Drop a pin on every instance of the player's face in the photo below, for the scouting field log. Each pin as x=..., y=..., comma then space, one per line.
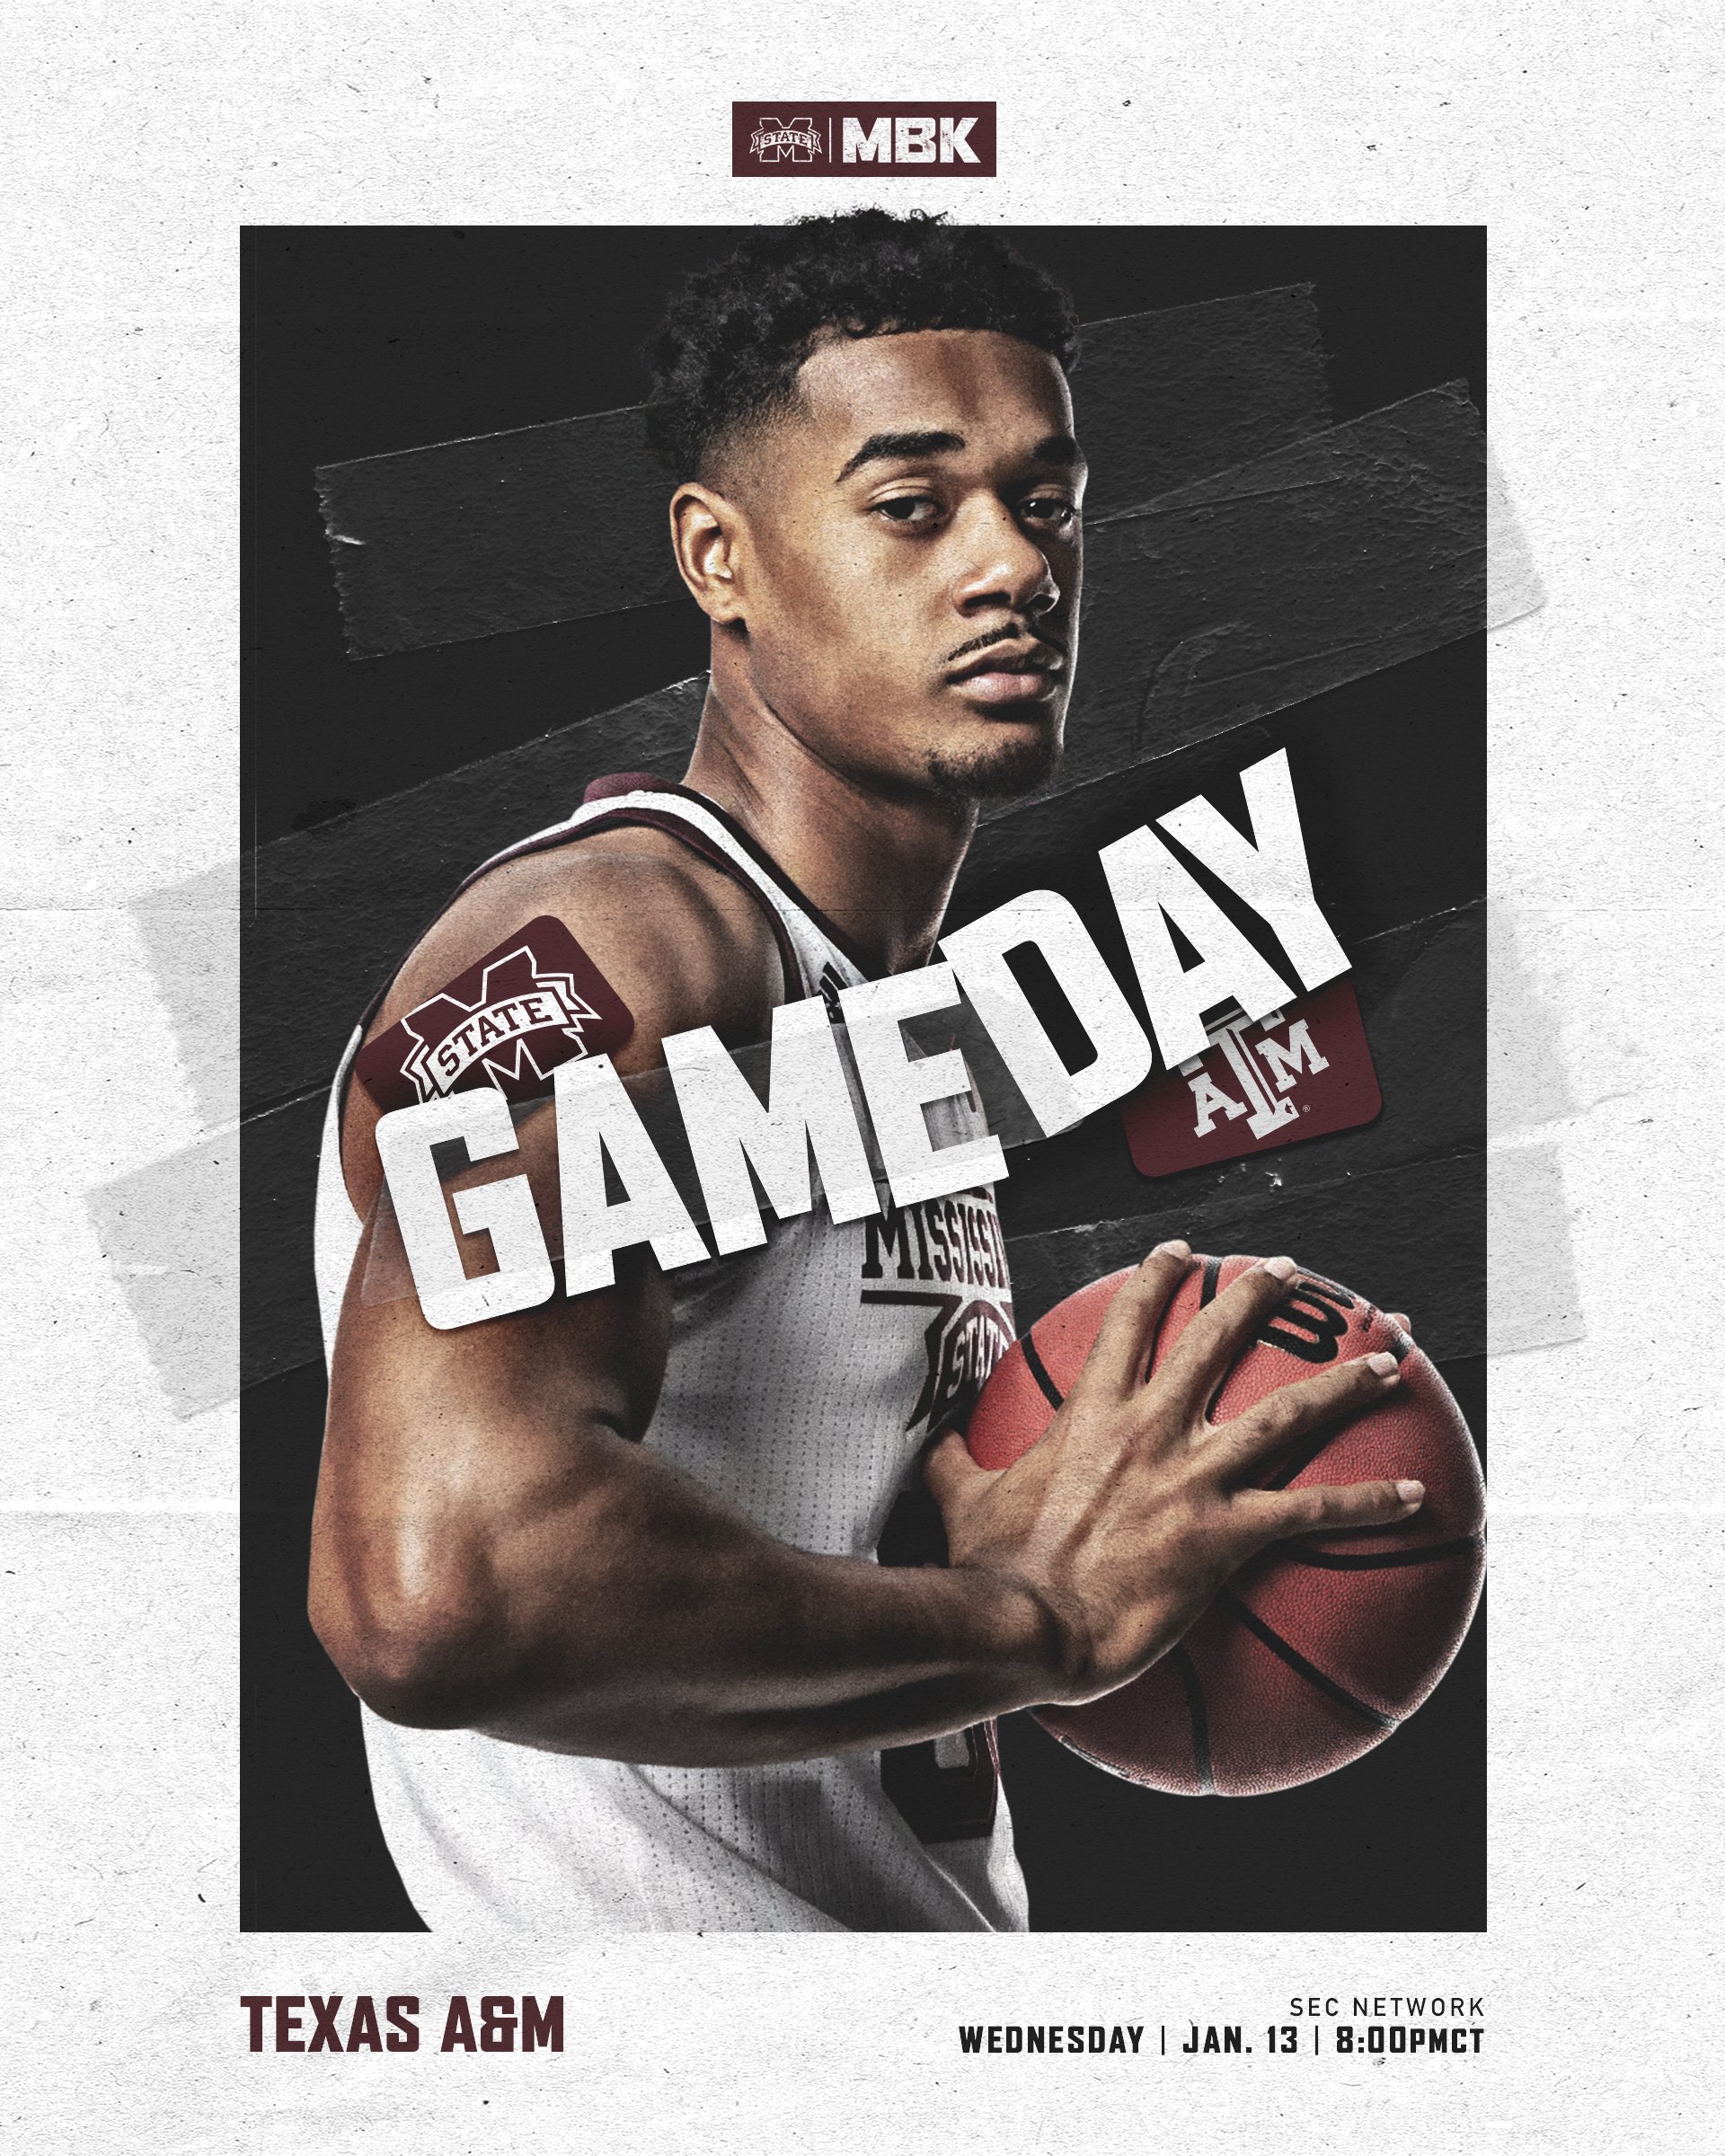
x=912, y=561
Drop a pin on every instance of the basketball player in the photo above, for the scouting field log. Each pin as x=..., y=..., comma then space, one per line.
x=604, y=1573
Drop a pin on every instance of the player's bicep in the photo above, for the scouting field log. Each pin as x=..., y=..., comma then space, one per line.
x=447, y=1452
x=552, y=959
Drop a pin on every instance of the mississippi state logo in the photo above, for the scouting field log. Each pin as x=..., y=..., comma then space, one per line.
x=1298, y=1073
x=794, y=141
x=965, y=1337
x=955, y=1244
x=508, y=1022
x=964, y=1341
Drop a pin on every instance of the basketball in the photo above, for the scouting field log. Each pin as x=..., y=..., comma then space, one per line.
x=1322, y=1646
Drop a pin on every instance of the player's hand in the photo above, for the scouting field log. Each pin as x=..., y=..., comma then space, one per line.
x=1132, y=1509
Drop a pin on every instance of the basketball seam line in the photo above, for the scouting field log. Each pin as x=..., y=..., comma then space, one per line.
x=1297, y=1461
x=1298, y=1664
x=1107, y=1765
x=1189, y=1677
x=1372, y=1561
x=1205, y=1296
x=1033, y=1362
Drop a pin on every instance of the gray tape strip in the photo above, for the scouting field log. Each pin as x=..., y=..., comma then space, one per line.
x=1528, y=1084
x=191, y=933
x=1534, y=1298
x=1412, y=1238
x=1260, y=588
x=473, y=538
x=1513, y=586
x=167, y=1232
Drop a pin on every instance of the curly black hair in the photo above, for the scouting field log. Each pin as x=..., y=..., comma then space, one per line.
x=735, y=334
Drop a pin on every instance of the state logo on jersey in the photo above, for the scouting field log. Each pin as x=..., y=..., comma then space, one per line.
x=535, y=1002
x=955, y=1244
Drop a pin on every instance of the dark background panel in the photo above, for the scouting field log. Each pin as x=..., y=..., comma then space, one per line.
x=363, y=341
x=360, y=342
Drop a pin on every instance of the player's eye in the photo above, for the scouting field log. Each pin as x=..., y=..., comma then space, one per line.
x=910, y=509
x=1051, y=510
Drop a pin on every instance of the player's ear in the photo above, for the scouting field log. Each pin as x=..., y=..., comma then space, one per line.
x=706, y=534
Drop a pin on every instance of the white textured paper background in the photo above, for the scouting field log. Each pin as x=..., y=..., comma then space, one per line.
x=1585, y=137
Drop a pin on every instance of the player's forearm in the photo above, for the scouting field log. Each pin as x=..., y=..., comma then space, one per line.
x=648, y=1621
x=789, y=1656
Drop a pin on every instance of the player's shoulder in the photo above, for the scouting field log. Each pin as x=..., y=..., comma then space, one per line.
x=679, y=941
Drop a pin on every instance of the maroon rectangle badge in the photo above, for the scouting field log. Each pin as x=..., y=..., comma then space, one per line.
x=508, y=1022
x=1298, y=1073
x=794, y=138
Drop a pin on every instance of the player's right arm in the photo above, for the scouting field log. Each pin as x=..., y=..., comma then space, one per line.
x=495, y=1548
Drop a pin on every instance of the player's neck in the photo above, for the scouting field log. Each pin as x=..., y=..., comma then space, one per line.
x=880, y=869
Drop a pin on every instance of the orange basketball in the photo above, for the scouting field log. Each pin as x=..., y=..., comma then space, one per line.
x=1321, y=1647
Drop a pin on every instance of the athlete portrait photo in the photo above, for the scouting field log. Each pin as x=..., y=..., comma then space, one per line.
x=698, y=1601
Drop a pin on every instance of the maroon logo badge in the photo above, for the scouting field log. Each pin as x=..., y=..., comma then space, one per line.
x=1300, y=1073
x=508, y=1022
x=795, y=139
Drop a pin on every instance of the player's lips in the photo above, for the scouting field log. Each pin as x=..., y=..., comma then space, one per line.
x=1023, y=672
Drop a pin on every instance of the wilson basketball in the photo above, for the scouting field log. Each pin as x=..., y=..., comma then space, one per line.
x=1321, y=1647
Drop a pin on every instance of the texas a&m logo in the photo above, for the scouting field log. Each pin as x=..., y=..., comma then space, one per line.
x=1297, y=1072
x=1264, y=1073
x=508, y=1022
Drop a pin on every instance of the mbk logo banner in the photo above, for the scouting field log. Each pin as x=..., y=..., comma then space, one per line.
x=1299, y=1073
x=792, y=138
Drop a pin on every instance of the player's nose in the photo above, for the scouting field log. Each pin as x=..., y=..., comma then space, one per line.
x=1003, y=567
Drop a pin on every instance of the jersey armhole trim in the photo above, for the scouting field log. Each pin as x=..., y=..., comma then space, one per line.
x=795, y=987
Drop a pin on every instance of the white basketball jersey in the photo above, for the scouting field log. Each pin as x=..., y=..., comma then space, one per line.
x=803, y=1380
